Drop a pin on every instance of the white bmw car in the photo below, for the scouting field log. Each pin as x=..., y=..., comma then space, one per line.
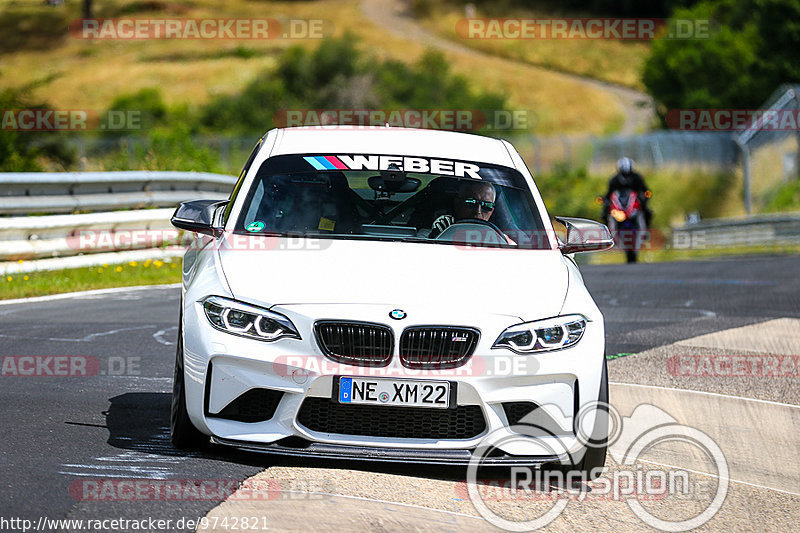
x=387, y=294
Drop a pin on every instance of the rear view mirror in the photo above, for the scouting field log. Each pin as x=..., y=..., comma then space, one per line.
x=199, y=216
x=585, y=236
x=381, y=184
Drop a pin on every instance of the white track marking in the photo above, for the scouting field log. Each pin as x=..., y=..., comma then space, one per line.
x=159, y=336
x=692, y=391
x=87, y=338
x=92, y=336
x=716, y=476
x=763, y=460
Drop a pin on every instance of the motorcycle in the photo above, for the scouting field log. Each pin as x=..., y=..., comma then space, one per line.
x=626, y=217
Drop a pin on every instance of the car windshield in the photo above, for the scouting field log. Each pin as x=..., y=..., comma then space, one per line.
x=405, y=199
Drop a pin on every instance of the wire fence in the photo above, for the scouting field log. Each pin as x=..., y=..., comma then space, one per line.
x=690, y=151
x=694, y=151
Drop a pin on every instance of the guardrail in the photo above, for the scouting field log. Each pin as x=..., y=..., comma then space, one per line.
x=55, y=241
x=754, y=230
x=66, y=192
x=64, y=235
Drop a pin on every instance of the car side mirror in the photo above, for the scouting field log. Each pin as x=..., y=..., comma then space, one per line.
x=585, y=236
x=199, y=216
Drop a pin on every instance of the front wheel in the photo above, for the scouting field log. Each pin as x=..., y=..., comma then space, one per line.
x=183, y=434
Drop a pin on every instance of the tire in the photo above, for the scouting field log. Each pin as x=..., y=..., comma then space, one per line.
x=183, y=434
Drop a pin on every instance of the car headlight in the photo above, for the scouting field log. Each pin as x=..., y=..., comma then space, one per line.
x=543, y=335
x=247, y=320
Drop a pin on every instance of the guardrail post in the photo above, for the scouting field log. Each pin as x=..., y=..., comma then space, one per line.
x=746, y=169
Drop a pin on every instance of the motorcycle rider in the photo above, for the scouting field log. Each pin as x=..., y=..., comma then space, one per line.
x=627, y=178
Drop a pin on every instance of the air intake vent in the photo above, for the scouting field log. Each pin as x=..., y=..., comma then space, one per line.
x=255, y=405
x=324, y=416
x=535, y=421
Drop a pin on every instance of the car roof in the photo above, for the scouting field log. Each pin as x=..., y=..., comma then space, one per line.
x=391, y=141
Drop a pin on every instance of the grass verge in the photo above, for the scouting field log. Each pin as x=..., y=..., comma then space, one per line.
x=87, y=278
x=83, y=74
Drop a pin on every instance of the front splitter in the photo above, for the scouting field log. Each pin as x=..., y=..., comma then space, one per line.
x=391, y=455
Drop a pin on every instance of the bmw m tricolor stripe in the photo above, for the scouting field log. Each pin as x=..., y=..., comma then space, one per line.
x=326, y=162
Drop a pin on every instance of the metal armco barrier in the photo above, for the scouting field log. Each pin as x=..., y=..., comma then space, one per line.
x=66, y=192
x=124, y=226
x=755, y=230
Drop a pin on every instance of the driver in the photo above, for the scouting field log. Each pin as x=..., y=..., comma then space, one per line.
x=475, y=200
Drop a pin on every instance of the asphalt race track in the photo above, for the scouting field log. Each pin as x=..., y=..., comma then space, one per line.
x=61, y=432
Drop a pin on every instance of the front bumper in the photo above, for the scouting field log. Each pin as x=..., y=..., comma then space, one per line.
x=557, y=382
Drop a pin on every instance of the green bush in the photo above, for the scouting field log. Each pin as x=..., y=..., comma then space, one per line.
x=337, y=75
x=148, y=101
x=32, y=28
x=163, y=149
x=16, y=147
x=785, y=197
x=572, y=192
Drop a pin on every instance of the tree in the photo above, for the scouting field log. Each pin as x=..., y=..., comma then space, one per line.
x=751, y=50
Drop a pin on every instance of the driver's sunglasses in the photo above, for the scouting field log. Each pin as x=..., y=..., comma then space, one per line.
x=474, y=202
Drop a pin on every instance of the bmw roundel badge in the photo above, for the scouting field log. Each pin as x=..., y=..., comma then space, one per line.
x=398, y=314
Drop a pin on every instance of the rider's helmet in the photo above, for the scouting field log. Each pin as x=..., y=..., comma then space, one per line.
x=625, y=165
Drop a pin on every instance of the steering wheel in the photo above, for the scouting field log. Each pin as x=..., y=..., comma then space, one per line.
x=478, y=221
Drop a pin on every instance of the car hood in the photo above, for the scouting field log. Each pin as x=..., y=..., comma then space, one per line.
x=528, y=284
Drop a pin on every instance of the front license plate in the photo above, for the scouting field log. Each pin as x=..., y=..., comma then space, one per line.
x=402, y=392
